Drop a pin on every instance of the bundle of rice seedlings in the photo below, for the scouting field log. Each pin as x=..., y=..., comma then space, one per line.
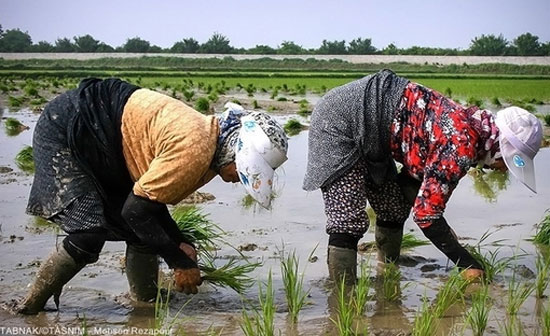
x=232, y=274
x=199, y=230
x=410, y=241
x=293, y=127
x=196, y=227
x=543, y=232
x=14, y=126
x=24, y=160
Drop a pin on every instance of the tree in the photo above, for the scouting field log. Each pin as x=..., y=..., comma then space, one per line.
x=64, y=45
x=14, y=40
x=136, y=45
x=186, y=46
x=391, y=49
x=489, y=45
x=104, y=47
x=85, y=43
x=527, y=45
x=262, y=50
x=361, y=47
x=290, y=48
x=217, y=44
x=333, y=48
x=155, y=49
x=43, y=47
x=545, y=49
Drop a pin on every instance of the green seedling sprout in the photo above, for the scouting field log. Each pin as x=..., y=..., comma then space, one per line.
x=545, y=320
x=293, y=127
x=261, y=323
x=518, y=292
x=425, y=320
x=543, y=231
x=163, y=321
x=24, y=160
x=478, y=315
x=392, y=282
x=543, y=276
x=451, y=293
x=491, y=262
x=14, y=126
x=293, y=284
x=362, y=288
x=345, y=314
x=512, y=327
x=411, y=241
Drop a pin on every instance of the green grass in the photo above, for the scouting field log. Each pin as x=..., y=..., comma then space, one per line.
x=391, y=286
x=545, y=320
x=450, y=293
x=24, y=160
x=518, y=292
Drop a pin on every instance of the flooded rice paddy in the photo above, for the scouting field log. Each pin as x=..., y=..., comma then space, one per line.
x=96, y=296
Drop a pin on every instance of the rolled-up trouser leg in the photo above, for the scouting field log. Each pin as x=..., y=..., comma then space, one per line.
x=142, y=271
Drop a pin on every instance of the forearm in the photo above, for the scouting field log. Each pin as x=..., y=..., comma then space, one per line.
x=441, y=235
x=154, y=226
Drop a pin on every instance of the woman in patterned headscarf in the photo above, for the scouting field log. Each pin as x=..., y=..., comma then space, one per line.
x=110, y=156
x=358, y=131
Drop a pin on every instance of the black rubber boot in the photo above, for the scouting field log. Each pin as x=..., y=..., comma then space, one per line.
x=388, y=242
x=142, y=271
x=342, y=261
x=53, y=274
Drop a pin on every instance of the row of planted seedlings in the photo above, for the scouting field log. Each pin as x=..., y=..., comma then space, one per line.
x=33, y=92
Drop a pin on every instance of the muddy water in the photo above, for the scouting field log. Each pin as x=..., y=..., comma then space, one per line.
x=297, y=221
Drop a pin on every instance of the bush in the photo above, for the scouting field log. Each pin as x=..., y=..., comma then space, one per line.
x=202, y=104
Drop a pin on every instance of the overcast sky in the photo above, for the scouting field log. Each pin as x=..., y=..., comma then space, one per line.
x=246, y=23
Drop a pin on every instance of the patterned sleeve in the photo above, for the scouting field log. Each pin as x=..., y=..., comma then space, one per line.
x=451, y=155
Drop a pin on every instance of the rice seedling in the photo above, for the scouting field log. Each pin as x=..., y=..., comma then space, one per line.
x=512, y=327
x=491, y=262
x=261, y=323
x=543, y=276
x=362, y=288
x=518, y=292
x=255, y=104
x=198, y=229
x=451, y=292
x=231, y=274
x=478, y=315
x=496, y=102
x=391, y=286
x=24, y=160
x=202, y=104
x=425, y=321
x=448, y=92
x=473, y=101
x=410, y=241
x=293, y=284
x=14, y=101
x=13, y=126
x=188, y=94
x=545, y=321
x=163, y=321
x=547, y=119
x=345, y=314
x=543, y=231
x=293, y=127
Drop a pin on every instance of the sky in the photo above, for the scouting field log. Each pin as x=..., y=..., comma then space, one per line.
x=247, y=23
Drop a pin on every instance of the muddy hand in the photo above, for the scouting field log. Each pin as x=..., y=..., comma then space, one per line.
x=189, y=250
x=472, y=275
x=187, y=280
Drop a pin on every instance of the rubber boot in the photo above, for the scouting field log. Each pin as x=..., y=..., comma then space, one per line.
x=342, y=261
x=54, y=273
x=142, y=271
x=388, y=243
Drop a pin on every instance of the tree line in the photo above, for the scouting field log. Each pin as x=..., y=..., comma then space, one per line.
x=527, y=44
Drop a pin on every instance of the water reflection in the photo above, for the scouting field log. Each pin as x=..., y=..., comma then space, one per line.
x=488, y=184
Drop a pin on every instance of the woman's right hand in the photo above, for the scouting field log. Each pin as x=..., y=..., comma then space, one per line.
x=187, y=280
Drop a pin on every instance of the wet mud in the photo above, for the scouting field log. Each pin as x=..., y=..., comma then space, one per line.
x=97, y=295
